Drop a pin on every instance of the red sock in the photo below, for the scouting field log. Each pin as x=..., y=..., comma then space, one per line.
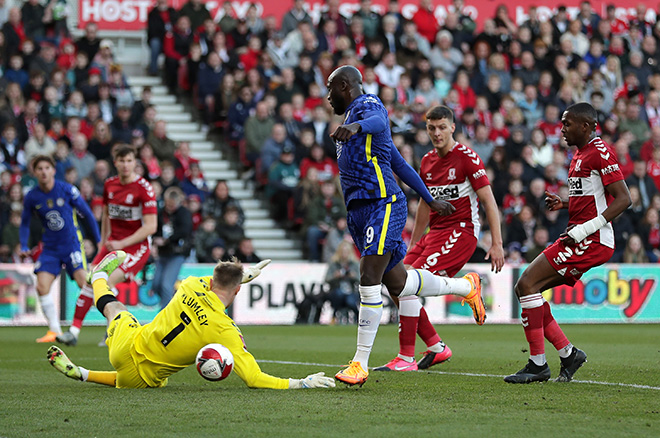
x=426, y=330
x=551, y=329
x=407, y=335
x=532, y=320
x=83, y=305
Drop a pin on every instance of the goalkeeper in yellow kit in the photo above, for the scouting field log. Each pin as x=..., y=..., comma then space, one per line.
x=144, y=356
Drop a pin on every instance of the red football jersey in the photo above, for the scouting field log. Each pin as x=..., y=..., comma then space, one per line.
x=455, y=178
x=592, y=168
x=127, y=203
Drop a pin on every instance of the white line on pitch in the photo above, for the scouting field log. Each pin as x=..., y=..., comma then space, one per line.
x=453, y=373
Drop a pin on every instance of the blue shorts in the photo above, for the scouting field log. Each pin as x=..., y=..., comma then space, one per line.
x=376, y=226
x=71, y=256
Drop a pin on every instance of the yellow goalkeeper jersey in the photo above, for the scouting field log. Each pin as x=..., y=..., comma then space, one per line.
x=194, y=318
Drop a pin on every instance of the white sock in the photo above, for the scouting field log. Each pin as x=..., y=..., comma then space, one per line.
x=406, y=358
x=98, y=276
x=75, y=331
x=438, y=347
x=84, y=372
x=410, y=306
x=424, y=284
x=538, y=359
x=371, y=310
x=566, y=351
x=87, y=290
x=50, y=311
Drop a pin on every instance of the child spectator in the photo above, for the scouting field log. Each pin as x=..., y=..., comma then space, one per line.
x=150, y=161
x=514, y=201
x=245, y=252
x=229, y=230
x=204, y=240
x=195, y=208
x=15, y=72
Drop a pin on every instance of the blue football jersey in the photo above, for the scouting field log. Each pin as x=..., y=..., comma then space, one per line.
x=56, y=210
x=364, y=160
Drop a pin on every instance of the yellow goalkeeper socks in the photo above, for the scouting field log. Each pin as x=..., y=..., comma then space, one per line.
x=101, y=377
x=100, y=287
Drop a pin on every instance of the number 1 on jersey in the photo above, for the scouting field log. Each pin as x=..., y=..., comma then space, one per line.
x=176, y=330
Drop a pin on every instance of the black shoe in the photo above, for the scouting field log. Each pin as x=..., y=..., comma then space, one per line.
x=531, y=373
x=571, y=364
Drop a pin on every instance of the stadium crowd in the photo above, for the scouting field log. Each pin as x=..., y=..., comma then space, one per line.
x=263, y=86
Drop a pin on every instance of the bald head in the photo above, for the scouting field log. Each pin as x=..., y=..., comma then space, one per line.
x=347, y=73
x=344, y=85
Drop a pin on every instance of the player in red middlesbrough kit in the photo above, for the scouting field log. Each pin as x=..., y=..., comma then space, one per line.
x=129, y=219
x=454, y=173
x=597, y=195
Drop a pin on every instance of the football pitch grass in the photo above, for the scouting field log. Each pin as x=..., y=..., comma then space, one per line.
x=616, y=394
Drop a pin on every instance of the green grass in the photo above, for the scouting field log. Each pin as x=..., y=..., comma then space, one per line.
x=38, y=401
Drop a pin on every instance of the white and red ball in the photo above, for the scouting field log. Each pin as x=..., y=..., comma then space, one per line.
x=214, y=362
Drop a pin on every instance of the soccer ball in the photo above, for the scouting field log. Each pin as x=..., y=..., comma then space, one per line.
x=214, y=362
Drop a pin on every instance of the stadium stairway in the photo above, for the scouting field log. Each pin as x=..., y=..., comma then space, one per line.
x=270, y=241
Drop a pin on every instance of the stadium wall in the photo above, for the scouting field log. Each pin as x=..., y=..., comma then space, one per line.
x=607, y=294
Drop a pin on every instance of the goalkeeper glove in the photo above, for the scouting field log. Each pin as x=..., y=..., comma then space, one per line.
x=253, y=271
x=317, y=380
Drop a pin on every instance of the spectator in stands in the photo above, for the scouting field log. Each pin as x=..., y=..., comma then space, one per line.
x=343, y=277
x=325, y=166
x=219, y=200
x=4, y=12
x=12, y=156
x=15, y=71
x=76, y=106
x=649, y=230
x=205, y=239
x=634, y=252
x=13, y=31
x=33, y=19
x=322, y=211
x=258, y=129
x=159, y=21
x=388, y=71
x=283, y=178
x=176, y=48
x=163, y=146
x=173, y=243
x=39, y=143
x=98, y=177
x=80, y=158
x=196, y=12
x=89, y=43
x=228, y=21
x=293, y=127
x=245, y=252
x=239, y=111
x=636, y=125
x=295, y=15
x=150, y=161
x=107, y=103
x=102, y=141
x=272, y=148
x=229, y=229
x=424, y=19
x=642, y=182
x=122, y=128
x=210, y=77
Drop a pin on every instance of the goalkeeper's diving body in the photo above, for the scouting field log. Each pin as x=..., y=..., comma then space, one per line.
x=144, y=356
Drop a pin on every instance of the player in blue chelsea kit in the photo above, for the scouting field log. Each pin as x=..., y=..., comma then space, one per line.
x=55, y=203
x=377, y=212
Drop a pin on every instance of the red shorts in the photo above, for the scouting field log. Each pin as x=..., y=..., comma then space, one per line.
x=571, y=261
x=136, y=258
x=443, y=252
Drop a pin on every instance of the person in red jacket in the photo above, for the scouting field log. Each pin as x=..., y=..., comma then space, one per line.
x=427, y=24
